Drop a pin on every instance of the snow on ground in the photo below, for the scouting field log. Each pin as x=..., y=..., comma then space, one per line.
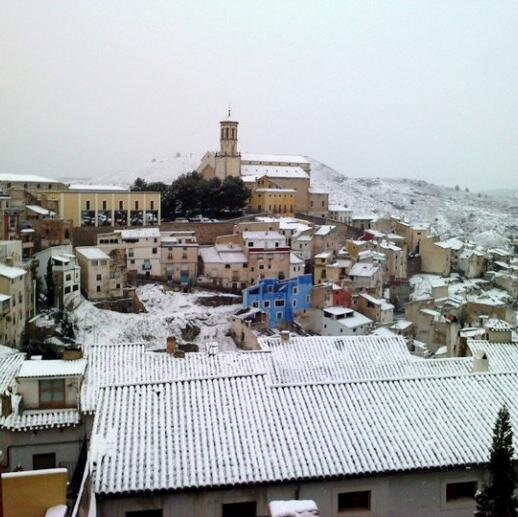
x=168, y=313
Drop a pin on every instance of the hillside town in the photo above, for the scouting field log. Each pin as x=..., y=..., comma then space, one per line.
x=147, y=366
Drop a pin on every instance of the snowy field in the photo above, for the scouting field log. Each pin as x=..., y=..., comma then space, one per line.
x=168, y=313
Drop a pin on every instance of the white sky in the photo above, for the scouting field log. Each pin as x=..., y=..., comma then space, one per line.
x=425, y=89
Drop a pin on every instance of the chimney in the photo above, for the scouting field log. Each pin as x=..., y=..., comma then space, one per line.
x=212, y=348
x=480, y=362
x=285, y=336
x=7, y=405
x=70, y=353
x=171, y=345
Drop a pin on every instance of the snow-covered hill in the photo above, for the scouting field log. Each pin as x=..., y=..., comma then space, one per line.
x=157, y=169
x=486, y=218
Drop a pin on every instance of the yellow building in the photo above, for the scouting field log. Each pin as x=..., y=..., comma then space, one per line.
x=90, y=205
x=266, y=195
x=32, y=493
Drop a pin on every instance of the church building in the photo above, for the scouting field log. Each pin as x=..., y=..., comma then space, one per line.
x=280, y=184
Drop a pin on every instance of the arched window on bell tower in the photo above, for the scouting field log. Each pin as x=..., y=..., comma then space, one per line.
x=228, y=140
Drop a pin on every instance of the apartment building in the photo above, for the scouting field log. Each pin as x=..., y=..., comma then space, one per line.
x=142, y=247
x=101, y=277
x=13, y=291
x=179, y=257
x=65, y=273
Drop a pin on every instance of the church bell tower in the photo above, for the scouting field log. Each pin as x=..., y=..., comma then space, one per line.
x=228, y=137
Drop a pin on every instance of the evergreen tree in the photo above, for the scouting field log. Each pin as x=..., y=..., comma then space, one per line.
x=49, y=279
x=496, y=499
x=139, y=185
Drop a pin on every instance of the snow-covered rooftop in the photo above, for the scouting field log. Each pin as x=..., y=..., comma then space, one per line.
x=263, y=235
x=338, y=208
x=453, y=243
x=324, y=229
x=40, y=419
x=83, y=187
x=151, y=428
x=213, y=255
x=52, y=368
x=92, y=253
x=141, y=233
x=295, y=259
x=273, y=158
x=363, y=269
x=11, y=272
x=10, y=362
x=277, y=190
x=26, y=178
x=272, y=171
x=40, y=210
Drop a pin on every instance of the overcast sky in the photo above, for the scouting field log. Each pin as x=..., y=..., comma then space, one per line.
x=425, y=89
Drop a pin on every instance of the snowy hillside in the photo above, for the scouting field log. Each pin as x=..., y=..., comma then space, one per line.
x=157, y=169
x=488, y=219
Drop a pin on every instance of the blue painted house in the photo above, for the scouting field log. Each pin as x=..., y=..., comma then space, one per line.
x=280, y=299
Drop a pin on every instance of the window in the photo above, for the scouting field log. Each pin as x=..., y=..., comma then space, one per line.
x=152, y=205
x=248, y=509
x=136, y=205
x=461, y=490
x=99, y=278
x=266, y=304
x=154, y=251
x=255, y=304
x=294, y=303
x=279, y=303
x=121, y=205
x=67, y=289
x=88, y=205
x=279, y=316
x=295, y=289
x=44, y=461
x=145, y=513
x=227, y=266
x=75, y=287
x=104, y=205
x=261, y=266
x=68, y=277
x=250, y=244
x=98, y=288
x=52, y=393
x=354, y=501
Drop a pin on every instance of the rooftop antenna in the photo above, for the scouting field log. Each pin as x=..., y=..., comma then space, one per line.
x=229, y=111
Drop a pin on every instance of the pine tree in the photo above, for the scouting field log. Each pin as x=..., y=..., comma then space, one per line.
x=49, y=279
x=496, y=499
